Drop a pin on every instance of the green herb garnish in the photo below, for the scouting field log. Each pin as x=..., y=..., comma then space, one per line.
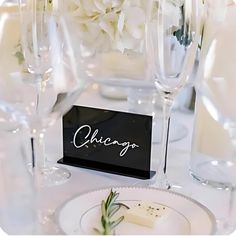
x=183, y=34
x=19, y=54
x=109, y=208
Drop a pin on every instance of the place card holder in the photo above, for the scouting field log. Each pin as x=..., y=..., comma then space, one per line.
x=109, y=141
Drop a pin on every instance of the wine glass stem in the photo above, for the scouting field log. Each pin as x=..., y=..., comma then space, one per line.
x=232, y=204
x=232, y=209
x=37, y=147
x=161, y=180
x=38, y=168
x=37, y=137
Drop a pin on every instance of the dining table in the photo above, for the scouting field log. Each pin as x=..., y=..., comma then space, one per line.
x=83, y=180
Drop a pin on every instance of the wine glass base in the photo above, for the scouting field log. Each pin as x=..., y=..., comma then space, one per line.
x=51, y=176
x=47, y=224
x=212, y=183
x=163, y=184
x=224, y=228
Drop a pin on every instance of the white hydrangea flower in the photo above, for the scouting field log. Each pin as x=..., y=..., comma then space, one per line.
x=173, y=11
x=105, y=24
x=115, y=24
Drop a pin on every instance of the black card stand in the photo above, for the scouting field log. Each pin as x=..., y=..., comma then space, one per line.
x=119, y=170
x=119, y=126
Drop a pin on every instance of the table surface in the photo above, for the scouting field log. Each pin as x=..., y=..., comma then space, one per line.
x=84, y=180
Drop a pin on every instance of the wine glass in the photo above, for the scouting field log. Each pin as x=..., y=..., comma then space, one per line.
x=39, y=76
x=215, y=88
x=172, y=38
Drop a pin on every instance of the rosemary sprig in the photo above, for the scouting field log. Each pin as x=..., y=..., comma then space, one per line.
x=109, y=208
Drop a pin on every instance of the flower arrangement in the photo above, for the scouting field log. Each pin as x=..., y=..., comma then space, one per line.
x=113, y=24
x=116, y=24
x=113, y=34
x=110, y=24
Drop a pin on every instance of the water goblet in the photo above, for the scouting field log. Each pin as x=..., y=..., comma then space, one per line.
x=215, y=88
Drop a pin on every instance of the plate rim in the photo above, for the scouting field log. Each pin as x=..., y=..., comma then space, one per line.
x=207, y=210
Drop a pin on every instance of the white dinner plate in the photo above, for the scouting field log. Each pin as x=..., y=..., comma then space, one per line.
x=185, y=216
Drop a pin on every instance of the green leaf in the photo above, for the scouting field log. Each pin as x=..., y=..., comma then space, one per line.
x=113, y=210
x=183, y=34
x=20, y=57
x=103, y=221
x=122, y=205
x=118, y=221
x=109, y=208
x=104, y=212
x=112, y=201
x=107, y=228
x=109, y=199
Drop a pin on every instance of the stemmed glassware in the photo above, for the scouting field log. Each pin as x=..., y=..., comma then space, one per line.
x=215, y=88
x=172, y=38
x=39, y=75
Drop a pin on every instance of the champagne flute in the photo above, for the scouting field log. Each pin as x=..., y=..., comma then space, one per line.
x=35, y=46
x=39, y=76
x=172, y=38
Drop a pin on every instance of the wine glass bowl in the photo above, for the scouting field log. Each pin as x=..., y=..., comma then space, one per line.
x=172, y=39
x=216, y=93
x=35, y=42
x=216, y=84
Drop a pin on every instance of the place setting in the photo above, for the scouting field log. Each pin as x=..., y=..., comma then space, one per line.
x=110, y=174
x=146, y=211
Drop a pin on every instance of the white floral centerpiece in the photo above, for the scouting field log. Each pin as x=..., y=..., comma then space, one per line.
x=114, y=30
x=111, y=24
x=116, y=24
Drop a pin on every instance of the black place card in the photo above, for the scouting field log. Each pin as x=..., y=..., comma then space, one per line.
x=106, y=140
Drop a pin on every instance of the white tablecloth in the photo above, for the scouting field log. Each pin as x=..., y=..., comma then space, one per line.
x=84, y=180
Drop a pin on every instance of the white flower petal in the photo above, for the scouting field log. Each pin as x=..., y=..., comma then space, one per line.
x=135, y=22
x=103, y=42
x=100, y=6
x=71, y=5
x=111, y=16
x=128, y=42
x=174, y=15
x=107, y=3
x=121, y=22
x=116, y=3
x=89, y=7
x=118, y=24
x=108, y=28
